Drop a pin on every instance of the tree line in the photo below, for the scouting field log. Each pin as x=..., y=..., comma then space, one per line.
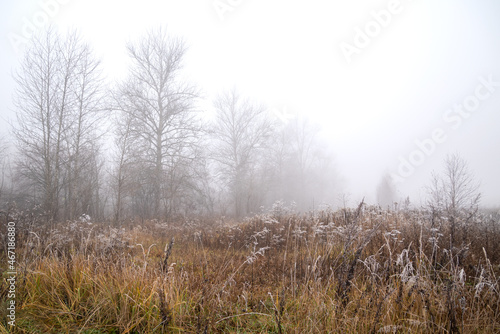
x=142, y=147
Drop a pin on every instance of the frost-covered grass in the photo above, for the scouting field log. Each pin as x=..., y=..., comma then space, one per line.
x=362, y=270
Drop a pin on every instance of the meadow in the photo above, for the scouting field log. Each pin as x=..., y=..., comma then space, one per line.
x=358, y=270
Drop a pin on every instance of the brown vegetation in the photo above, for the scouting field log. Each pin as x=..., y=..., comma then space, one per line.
x=363, y=270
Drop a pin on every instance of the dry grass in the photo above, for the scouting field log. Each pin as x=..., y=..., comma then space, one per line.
x=351, y=271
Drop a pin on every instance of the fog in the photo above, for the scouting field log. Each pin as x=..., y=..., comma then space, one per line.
x=385, y=87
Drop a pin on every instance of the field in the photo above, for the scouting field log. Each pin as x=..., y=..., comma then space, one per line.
x=360, y=270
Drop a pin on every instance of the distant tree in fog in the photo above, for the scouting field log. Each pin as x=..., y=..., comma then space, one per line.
x=241, y=133
x=386, y=193
x=5, y=172
x=302, y=165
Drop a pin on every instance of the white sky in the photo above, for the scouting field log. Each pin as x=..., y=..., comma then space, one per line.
x=287, y=54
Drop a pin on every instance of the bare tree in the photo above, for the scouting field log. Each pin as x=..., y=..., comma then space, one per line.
x=455, y=192
x=56, y=103
x=83, y=133
x=241, y=131
x=121, y=183
x=163, y=127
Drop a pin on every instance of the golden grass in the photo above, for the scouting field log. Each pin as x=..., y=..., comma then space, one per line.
x=350, y=271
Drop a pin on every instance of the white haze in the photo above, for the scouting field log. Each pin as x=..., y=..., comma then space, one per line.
x=287, y=54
